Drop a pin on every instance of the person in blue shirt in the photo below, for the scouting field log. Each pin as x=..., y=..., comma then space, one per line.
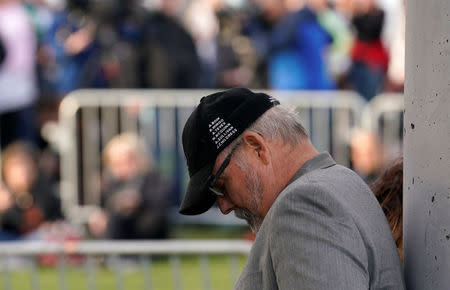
x=294, y=45
x=66, y=49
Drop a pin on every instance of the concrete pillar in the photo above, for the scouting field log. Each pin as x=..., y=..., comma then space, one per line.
x=427, y=145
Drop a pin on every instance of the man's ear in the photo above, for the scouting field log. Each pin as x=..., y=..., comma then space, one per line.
x=257, y=146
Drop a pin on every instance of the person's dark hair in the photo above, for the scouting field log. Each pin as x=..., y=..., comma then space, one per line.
x=388, y=188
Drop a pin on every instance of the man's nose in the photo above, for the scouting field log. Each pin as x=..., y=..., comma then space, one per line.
x=225, y=205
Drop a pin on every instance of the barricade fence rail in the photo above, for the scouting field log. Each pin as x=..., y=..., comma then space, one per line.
x=384, y=115
x=118, y=257
x=90, y=118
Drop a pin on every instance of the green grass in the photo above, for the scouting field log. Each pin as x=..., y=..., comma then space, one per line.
x=160, y=273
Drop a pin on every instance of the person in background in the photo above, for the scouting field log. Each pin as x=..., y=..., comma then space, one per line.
x=119, y=34
x=366, y=155
x=66, y=49
x=169, y=55
x=2, y=51
x=134, y=197
x=388, y=188
x=18, y=79
x=294, y=44
x=204, y=31
x=335, y=21
x=219, y=44
x=27, y=199
x=396, y=69
x=6, y=201
x=369, y=56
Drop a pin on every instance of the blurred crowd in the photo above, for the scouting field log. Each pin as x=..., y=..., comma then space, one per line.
x=49, y=48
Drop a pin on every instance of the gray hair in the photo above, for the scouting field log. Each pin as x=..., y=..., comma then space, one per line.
x=280, y=122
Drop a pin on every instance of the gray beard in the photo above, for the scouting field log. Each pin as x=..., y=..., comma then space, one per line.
x=254, y=187
x=252, y=220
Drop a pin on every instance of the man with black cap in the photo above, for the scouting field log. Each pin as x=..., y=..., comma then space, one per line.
x=318, y=225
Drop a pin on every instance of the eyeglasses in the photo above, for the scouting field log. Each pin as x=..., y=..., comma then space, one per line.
x=213, y=178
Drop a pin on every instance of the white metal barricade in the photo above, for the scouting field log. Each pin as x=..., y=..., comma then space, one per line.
x=90, y=118
x=92, y=255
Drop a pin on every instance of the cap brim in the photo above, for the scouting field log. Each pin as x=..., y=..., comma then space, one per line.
x=198, y=198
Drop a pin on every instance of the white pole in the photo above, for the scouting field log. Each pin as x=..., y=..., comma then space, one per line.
x=427, y=145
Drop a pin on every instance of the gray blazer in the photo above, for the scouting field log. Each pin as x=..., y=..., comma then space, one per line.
x=325, y=230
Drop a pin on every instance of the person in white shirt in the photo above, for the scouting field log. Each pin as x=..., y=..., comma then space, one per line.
x=18, y=86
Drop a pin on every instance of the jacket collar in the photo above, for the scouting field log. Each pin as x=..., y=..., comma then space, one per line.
x=320, y=161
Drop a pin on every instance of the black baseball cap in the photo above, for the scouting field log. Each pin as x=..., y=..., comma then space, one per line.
x=218, y=120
